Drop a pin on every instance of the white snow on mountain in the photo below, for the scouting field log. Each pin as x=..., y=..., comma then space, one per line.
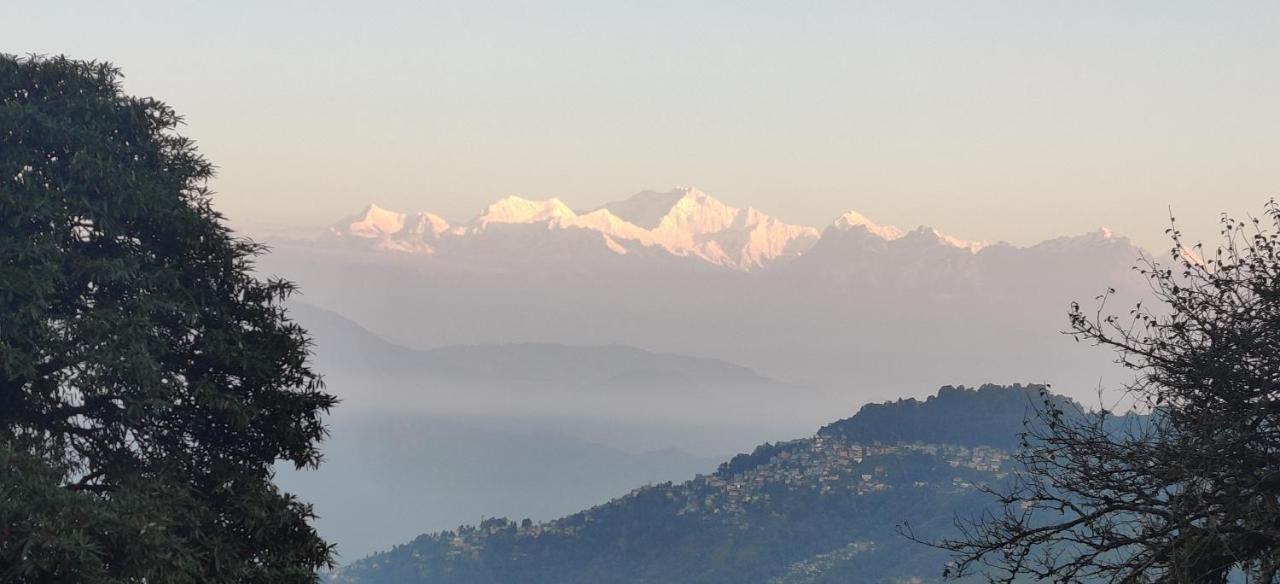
x=854, y=219
x=519, y=210
x=388, y=230
x=689, y=222
x=428, y=224
x=860, y=304
x=682, y=223
x=373, y=223
x=647, y=208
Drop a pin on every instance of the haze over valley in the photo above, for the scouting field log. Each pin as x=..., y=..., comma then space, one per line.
x=645, y=340
x=829, y=316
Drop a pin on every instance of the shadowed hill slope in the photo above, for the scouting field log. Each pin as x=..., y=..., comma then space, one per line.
x=821, y=509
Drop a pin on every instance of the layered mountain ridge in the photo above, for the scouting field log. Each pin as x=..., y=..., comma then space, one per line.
x=858, y=308
x=684, y=222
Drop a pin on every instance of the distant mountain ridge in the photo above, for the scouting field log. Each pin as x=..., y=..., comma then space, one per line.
x=821, y=509
x=684, y=222
x=549, y=384
x=601, y=366
x=856, y=307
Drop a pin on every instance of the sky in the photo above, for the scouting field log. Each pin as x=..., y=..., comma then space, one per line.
x=1014, y=121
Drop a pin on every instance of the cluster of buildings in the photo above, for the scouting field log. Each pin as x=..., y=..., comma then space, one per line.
x=825, y=464
x=828, y=465
x=810, y=569
x=983, y=458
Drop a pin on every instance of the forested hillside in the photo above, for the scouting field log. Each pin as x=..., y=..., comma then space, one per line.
x=991, y=415
x=820, y=509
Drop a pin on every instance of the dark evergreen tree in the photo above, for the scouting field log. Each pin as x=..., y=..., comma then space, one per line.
x=148, y=380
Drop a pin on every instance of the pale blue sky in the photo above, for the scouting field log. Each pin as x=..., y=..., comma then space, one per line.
x=1011, y=120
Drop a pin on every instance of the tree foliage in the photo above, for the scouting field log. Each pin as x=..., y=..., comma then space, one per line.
x=1192, y=494
x=148, y=380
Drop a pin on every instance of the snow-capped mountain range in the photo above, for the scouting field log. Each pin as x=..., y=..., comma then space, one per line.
x=859, y=309
x=683, y=222
x=534, y=315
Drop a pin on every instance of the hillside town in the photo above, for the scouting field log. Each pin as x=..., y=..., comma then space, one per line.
x=830, y=464
x=823, y=464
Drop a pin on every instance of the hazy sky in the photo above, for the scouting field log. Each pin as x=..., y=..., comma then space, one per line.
x=1011, y=120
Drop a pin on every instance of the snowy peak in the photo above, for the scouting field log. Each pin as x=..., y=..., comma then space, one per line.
x=610, y=225
x=697, y=213
x=428, y=224
x=391, y=231
x=645, y=209
x=920, y=236
x=928, y=237
x=372, y=223
x=854, y=219
x=686, y=211
x=744, y=239
x=683, y=222
x=688, y=222
x=1099, y=237
x=769, y=238
x=520, y=210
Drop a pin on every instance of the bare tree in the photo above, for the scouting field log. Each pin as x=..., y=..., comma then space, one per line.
x=1189, y=492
